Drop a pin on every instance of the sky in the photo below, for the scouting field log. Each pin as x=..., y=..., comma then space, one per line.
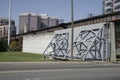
x=58, y=8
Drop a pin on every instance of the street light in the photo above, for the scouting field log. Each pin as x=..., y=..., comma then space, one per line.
x=72, y=30
x=10, y=1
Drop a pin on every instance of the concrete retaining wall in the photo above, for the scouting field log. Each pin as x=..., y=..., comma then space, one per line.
x=37, y=43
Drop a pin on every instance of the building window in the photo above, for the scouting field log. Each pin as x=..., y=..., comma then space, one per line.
x=117, y=7
x=108, y=10
x=109, y=4
x=117, y=1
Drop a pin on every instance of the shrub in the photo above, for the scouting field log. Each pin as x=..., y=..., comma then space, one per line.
x=15, y=46
x=118, y=56
x=3, y=45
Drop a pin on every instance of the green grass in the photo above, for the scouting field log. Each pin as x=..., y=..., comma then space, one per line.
x=26, y=57
x=20, y=57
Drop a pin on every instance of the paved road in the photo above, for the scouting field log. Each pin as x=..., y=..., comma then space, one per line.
x=59, y=71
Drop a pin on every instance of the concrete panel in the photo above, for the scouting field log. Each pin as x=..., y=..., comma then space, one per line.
x=91, y=42
x=60, y=44
x=37, y=43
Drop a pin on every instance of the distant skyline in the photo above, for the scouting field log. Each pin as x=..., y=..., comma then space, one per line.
x=58, y=8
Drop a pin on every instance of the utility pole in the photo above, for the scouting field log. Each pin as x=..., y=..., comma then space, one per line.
x=72, y=29
x=10, y=1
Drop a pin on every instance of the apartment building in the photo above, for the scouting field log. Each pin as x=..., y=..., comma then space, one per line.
x=4, y=27
x=33, y=21
x=110, y=6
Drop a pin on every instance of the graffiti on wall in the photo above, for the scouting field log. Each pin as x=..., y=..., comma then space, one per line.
x=90, y=43
x=58, y=47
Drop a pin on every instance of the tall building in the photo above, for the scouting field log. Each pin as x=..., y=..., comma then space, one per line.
x=4, y=27
x=32, y=21
x=110, y=6
x=44, y=21
x=53, y=21
x=5, y=21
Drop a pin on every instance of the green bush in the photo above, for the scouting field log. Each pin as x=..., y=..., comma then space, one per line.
x=118, y=56
x=15, y=46
x=3, y=45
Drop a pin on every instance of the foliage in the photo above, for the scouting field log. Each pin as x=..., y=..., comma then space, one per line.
x=3, y=45
x=118, y=56
x=15, y=46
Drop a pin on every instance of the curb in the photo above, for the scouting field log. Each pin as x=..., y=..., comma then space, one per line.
x=59, y=62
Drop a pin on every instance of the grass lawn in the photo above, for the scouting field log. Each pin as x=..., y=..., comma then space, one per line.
x=24, y=57
x=20, y=57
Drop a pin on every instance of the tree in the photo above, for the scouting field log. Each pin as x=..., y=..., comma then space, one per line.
x=15, y=46
x=3, y=45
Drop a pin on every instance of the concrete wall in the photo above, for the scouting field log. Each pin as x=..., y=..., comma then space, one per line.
x=118, y=51
x=90, y=42
x=37, y=43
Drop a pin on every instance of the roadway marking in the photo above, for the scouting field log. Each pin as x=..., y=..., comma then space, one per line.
x=28, y=71
x=34, y=79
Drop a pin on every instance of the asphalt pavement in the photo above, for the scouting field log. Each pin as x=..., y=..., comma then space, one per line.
x=59, y=71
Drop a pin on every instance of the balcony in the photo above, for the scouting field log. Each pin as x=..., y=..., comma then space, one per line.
x=116, y=1
x=108, y=7
x=116, y=4
x=108, y=1
x=117, y=8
